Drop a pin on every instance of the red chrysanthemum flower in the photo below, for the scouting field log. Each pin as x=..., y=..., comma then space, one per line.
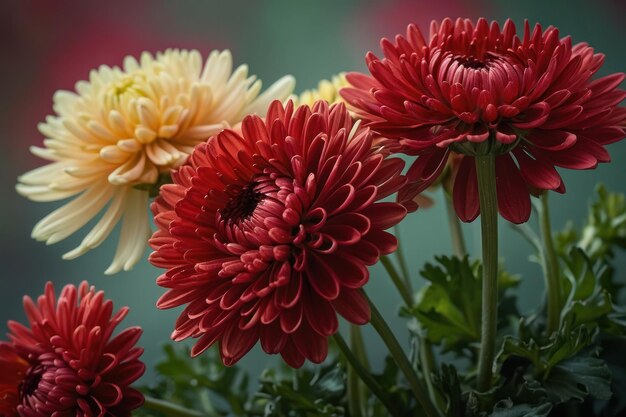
x=473, y=89
x=68, y=364
x=267, y=233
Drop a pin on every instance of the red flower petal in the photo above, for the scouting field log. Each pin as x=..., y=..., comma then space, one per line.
x=538, y=172
x=471, y=81
x=273, y=339
x=291, y=318
x=465, y=191
x=65, y=364
x=321, y=316
x=291, y=355
x=322, y=277
x=236, y=343
x=266, y=228
x=353, y=306
x=312, y=346
x=513, y=196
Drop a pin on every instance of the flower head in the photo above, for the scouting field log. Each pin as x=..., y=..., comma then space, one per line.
x=122, y=131
x=476, y=88
x=68, y=363
x=267, y=234
x=326, y=90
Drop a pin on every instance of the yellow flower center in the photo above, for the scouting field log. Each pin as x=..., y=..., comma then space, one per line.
x=127, y=87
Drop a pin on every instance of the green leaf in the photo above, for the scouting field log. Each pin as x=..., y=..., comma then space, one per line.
x=393, y=383
x=515, y=395
x=566, y=239
x=188, y=382
x=606, y=225
x=603, y=233
x=450, y=385
x=507, y=409
x=587, y=302
x=526, y=349
x=578, y=377
x=543, y=357
x=449, y=308
x=304, y=392
x=612, y=352
x=563, y=367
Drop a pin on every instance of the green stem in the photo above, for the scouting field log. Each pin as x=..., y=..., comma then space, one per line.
x=403, y=265
x=398, y=355
x=429, y=365
x=427, y=358
x=355, y=399
x=207, y=406
x=357, y=394
x=172, y=410
x=358, y=345
x=364, y=374
x=486, y=173
x=529, y=234
x=551, y=268
x=397, y=280
x=295, y=373
x=456, y=232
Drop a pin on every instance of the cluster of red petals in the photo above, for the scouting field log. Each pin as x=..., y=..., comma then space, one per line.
x=266, y=234
x=531, y=98
x=67, y=363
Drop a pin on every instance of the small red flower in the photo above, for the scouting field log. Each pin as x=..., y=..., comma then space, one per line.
x=266, y=234
x=477, y=88
x=68, y=363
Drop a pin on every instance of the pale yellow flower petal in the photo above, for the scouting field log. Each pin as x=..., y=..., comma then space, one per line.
x=125, y=127
x=326, y=90
x=280, y=90
x=134, y=233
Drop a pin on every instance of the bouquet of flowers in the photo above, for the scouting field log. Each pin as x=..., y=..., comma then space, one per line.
x=268, y=208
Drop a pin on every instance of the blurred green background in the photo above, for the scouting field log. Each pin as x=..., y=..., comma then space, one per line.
x=49, y=45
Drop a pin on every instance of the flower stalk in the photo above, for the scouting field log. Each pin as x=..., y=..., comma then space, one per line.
x=398, y=355
x=364, y=374
x=429, y=366
x=397, y=280
x=357, y=391
x=486, y=174
x=427, y=360
x=171, y=409
x=402, y=261
x=551, y=268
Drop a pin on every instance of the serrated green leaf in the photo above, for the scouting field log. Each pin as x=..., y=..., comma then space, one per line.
x=507, y=409
x=587, y=303
x=188, y=381
x=450, y=385
x=606, y=225
x=612, y=352
x=578, y=377
x=305, y=392
x=448, y=309
x=527, y=349
x=603, y=232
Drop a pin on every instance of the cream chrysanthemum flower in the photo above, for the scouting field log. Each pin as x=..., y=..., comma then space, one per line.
x=120, y=131
x=326, y=90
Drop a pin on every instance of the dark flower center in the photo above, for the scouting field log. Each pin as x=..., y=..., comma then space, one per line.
x=242, y=206
x=31, y=381
x=471, y=62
